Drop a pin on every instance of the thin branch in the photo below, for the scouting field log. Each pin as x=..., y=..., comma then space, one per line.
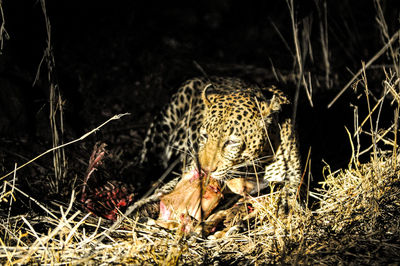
x=370, y=62
x=115, y=117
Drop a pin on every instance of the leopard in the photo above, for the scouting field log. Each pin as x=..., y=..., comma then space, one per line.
x=236, y=132
x=227, y=127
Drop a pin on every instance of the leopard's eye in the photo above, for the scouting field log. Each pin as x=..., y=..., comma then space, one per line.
x=203, y=134
x=232, y=142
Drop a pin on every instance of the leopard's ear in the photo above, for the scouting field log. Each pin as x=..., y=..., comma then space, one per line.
x=270, y=106
x=267, y=109
x=275, y=99
x=208, y=94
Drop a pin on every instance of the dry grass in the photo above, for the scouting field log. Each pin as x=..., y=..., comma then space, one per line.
x=357, y=220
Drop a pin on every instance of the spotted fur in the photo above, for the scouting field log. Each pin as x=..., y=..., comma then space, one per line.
x=232, y=130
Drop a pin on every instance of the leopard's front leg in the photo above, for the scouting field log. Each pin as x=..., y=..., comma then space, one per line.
x=286, y=166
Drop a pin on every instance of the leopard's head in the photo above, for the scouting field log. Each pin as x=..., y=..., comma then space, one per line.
x=237, y=128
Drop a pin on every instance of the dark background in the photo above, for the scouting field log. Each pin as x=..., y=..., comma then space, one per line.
x=129, y=56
